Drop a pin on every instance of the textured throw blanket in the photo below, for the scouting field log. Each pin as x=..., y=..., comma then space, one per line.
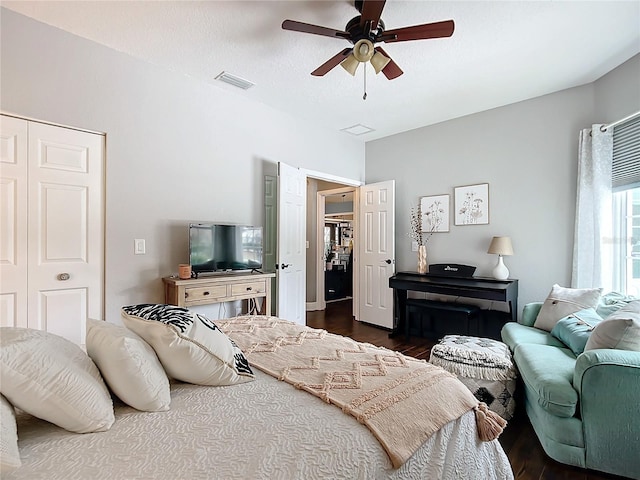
x=403, y=401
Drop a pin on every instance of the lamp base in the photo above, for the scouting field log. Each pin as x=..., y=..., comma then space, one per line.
x=500, y=272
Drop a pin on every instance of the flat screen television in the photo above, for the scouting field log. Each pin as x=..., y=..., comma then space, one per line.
x=215, y=247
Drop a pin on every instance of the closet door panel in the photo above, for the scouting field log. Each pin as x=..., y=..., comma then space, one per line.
x=13, y=222
x=66, y=229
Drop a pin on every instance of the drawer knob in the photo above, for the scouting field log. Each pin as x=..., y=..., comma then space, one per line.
x=205, y=293
x=248, y=289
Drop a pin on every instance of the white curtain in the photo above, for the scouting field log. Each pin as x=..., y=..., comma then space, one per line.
x=593, y=239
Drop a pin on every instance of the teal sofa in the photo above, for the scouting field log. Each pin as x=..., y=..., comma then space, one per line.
x=585, y=410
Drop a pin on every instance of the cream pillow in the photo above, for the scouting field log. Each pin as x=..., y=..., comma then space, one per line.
x=52, y=378
x=129, y=366
x=565, y=301
x=9, y=454
x=620, y=330
x=190, y=347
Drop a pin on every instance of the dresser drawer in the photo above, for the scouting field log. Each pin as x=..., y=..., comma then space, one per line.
x=248, y=288
x=200, y=294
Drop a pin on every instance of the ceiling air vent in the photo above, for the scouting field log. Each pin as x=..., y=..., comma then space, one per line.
x=358, y=129
x=227, y=77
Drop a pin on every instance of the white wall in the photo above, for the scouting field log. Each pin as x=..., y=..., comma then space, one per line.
x=177, y=149
x=527, y=152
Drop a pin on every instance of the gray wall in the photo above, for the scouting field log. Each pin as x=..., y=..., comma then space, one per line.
x=527, y=152
x=178, y=150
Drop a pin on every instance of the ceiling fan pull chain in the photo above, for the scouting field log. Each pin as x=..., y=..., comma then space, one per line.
x=364, y=97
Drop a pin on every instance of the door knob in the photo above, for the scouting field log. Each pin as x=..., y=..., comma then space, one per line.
x=285, y=265
x=388, y=261
x=63, y=276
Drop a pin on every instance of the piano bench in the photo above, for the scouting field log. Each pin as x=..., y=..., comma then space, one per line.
x=436, y=319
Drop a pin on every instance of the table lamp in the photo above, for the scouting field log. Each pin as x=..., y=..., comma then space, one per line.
x=500, y=246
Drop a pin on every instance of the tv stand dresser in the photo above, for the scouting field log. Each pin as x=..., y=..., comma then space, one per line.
x=218, y=288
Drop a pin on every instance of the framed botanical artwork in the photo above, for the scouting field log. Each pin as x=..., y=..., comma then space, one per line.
x=435, y=213
x=471, y=204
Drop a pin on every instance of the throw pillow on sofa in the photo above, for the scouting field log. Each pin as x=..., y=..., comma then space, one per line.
x=564, y=301
x=575, y=329
x=190, y=347
x=620, y=330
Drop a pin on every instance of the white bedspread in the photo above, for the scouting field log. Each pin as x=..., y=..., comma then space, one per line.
x=259, y=430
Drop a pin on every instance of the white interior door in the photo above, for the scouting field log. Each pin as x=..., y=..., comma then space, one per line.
x=13, y=223
x=270, y=231
x=65, y=222
x=291, y=278
x=376, y=239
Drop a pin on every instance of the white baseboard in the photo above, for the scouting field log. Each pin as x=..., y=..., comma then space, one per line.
x=313, y=306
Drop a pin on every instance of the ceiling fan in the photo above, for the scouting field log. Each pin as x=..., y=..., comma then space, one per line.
x=364, y=31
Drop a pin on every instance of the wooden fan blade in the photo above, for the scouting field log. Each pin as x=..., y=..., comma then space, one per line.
x=333, y=62
x=392, y=70
x=371, y=12
x=419, y=32
x=314, y=29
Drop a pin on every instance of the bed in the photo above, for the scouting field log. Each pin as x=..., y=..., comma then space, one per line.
x=263, y=428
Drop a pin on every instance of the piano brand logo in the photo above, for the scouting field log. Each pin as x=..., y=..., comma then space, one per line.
x=450, y=269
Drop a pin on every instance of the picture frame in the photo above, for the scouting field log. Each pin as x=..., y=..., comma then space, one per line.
x=435, y=213
x=471, y=204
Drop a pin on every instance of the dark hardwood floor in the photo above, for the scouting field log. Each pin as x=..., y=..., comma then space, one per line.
x=519, y=441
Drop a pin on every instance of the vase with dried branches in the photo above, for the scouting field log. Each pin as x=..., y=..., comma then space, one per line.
x=421, y=238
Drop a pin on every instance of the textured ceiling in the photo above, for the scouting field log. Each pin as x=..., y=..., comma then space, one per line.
x=501, y=52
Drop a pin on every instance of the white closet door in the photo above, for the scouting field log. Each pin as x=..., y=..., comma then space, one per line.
x=13, y=222
x=65, y=221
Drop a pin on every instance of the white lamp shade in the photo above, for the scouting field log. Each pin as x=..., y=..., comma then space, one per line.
x=379, y=61
x=350, y=64
x=363, y=50
x=501, y=246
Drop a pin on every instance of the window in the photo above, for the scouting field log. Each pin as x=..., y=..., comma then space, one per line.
x=626, y=222
x=626, y=206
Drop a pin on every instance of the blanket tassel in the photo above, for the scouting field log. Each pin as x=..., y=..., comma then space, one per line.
x=490, y=424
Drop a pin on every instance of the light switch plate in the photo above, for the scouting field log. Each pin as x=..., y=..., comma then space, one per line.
x=139, y=246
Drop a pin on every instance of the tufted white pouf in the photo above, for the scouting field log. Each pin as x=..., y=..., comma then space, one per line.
x=485, y=366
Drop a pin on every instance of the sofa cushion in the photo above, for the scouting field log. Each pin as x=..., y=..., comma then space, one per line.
x=564, y=301
x=548, y=371
x=574, y=330
x=620, y=330
x=514, y=334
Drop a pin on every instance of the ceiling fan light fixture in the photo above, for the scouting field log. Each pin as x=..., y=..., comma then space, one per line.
x=363, y=50
x=350, y=64
x=379, y=61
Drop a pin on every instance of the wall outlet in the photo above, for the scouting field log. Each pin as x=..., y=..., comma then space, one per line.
x=414, y=246
x=139, y=247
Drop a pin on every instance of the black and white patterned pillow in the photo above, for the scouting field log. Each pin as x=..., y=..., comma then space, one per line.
x=190, y=347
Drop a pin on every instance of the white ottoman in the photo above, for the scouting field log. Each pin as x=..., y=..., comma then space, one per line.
x=483, y=365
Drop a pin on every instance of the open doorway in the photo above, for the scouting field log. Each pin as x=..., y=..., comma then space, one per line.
x=331, y=224
x=337, y=248
x=300, y=278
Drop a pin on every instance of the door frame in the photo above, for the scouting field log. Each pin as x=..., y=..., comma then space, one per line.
x=320, y=302
x=348, y=183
